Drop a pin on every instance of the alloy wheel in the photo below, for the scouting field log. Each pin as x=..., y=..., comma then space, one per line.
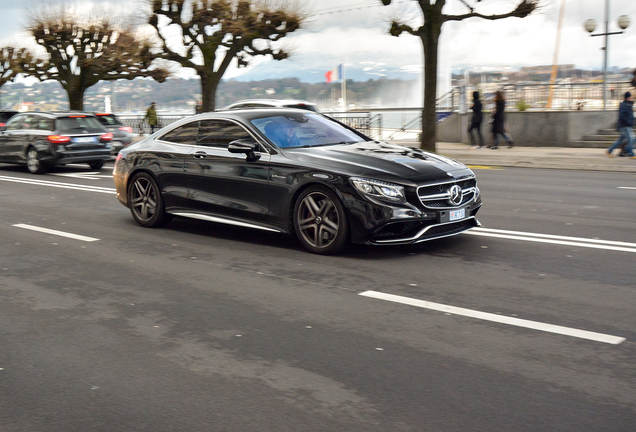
x=320, y=222
x=33, y=162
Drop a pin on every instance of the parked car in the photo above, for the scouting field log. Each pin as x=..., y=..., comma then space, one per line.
x=43, y=139
x=272, y=103
x=5, y=115
x=295, y=172
x=122, y=134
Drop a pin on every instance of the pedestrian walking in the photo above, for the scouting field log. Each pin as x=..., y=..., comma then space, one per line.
x=151, y=117
x=475, y=122
x=498, y=122
x=199, y=107
x=634, y=79
x=625, y=126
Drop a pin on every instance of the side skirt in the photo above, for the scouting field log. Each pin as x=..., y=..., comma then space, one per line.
x=225, y=221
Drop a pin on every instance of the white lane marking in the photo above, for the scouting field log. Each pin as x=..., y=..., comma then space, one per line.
x=57, y=233
x=85, y=176
x=59, y=185
x=555, y=239
x=535, y=325
x=627, y=187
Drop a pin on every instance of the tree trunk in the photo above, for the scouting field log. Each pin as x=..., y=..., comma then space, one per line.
x=430, y=42
x=209, y=84
x=75, y=98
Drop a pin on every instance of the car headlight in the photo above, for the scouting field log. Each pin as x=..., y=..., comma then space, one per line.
x=379, y=190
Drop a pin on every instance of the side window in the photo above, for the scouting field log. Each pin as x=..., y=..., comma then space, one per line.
x=220, y=133
x=40, y=123
x=15, y=122
x=185, y=134
x=28, y=122
x=44, y=124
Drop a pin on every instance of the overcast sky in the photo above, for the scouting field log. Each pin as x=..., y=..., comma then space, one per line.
x=359, y=38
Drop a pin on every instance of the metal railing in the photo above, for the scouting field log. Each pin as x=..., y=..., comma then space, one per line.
x=568, y=96
x=365, y=122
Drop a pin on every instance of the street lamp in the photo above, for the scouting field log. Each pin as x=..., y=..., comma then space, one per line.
x=590, y=25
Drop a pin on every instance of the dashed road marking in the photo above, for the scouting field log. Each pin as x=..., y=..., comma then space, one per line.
x=501, y=319
x=57, y=233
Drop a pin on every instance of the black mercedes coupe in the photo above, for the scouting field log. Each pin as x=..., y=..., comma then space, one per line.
x=295, y=172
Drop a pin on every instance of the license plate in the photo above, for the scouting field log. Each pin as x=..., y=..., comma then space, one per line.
x=85, y=139
x=457, y=214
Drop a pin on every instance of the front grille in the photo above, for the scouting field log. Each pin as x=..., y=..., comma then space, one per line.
x=438, y=195
x=443, y=203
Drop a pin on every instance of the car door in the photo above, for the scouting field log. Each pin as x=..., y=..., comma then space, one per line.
x=40, y=129
x=166, y=158
x=11, y=139
x=226, y=184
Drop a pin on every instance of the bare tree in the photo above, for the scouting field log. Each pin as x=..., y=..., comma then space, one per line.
x=429, y=33
x=212, y=33
x=12, y=61
x=83, y=50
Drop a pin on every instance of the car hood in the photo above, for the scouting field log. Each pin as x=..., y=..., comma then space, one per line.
x=381, y=161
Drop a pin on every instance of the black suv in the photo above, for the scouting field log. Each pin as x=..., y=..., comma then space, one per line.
x=122, y=134
x=42, y=139
x=5, y=115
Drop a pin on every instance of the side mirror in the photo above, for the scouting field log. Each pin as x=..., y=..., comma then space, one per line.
x=247, y=146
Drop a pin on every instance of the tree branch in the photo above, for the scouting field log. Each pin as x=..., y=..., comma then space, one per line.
x=525, y=8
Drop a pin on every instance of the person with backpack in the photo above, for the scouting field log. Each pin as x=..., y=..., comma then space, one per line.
x=151, y=117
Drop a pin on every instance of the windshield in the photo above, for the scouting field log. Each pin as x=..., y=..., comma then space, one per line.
x=304, y=130
x=79, y=123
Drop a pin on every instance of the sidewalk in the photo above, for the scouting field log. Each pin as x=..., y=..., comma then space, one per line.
x=586, y=159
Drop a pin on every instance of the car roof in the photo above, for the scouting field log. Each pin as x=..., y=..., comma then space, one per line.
x=58, y=114
x=251, y=113
x=273, y=102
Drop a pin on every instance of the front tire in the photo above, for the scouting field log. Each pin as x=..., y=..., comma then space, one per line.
x=320, y=221
x=34, y=164
x=145, y=201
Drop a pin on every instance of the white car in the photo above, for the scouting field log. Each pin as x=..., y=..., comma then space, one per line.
x=272, y=103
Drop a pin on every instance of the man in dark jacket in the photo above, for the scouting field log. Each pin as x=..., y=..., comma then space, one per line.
x=625, y=126
x=475, y=121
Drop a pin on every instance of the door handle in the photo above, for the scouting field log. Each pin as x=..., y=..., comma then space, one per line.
x=200, y=155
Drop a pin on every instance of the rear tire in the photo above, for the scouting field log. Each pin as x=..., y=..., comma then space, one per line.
x=145, y=201
x=34, y=164
x=320, y=221
x=96, y=165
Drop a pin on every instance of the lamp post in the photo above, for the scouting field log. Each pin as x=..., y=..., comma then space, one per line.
x=590, y=25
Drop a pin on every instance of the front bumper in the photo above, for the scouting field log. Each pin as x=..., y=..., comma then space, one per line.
x=400, y=233
x=384, y=224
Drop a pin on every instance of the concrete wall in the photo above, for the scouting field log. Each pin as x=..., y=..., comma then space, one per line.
x=533, y=128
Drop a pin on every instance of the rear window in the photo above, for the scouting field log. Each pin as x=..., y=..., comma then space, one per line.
x=79, y=124
x=108, y=119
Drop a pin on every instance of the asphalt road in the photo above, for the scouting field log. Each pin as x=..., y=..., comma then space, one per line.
x=527, y=324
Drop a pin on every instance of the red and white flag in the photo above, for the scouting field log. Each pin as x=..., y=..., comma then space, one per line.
x=334, y=75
